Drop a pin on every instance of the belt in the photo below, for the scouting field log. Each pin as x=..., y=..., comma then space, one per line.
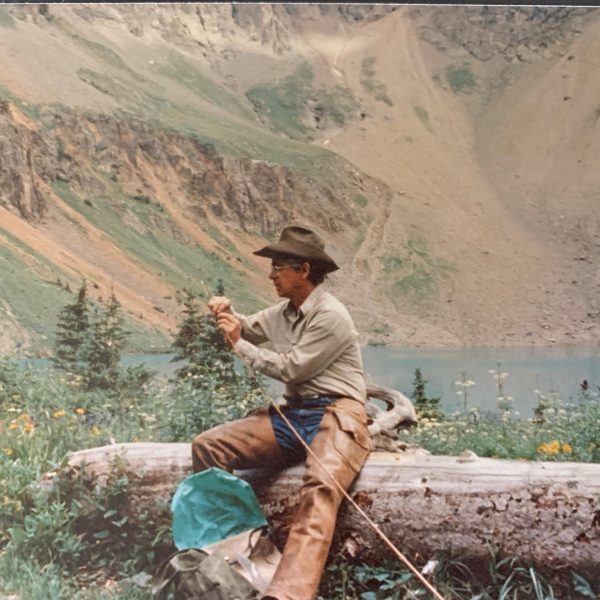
x=312, y=401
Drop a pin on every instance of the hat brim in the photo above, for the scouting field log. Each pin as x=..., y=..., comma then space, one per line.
x=309, y=253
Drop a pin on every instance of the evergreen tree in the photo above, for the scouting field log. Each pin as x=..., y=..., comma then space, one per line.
x=211, y=388
x=73, y=329
x=200, y=343
x=104, y=349
x=426, y=407
x=92, y=346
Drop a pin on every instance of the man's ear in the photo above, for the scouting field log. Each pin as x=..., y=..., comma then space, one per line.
x=305, y=269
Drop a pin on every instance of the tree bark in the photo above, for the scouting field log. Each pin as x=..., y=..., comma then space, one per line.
x=546, y=513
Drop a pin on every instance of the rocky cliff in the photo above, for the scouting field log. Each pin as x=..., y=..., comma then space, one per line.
x=447, y=154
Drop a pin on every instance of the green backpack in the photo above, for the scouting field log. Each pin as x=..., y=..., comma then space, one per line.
x=196, y=575
x=224, y=552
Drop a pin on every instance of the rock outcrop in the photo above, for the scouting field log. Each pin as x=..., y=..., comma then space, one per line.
x=517, y=33
x=81, y=149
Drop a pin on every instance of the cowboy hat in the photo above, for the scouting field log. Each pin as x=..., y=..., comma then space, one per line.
x=303, y=243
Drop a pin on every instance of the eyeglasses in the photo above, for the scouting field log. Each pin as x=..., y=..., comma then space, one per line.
x=277, y=268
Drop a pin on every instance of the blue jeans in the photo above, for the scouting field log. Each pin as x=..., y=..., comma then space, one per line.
x=305, y=418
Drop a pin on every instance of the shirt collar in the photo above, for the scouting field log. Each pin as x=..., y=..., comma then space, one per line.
x=293, y=315
x=311, y=301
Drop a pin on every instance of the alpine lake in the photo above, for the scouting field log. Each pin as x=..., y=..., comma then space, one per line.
x=555, y=372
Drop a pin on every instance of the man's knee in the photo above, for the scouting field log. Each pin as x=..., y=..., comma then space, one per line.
x=205, y=453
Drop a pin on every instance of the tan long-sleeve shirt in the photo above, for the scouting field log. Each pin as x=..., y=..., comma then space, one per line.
x=315, y=350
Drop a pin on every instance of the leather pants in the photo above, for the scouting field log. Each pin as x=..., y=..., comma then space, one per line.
x=342, y=444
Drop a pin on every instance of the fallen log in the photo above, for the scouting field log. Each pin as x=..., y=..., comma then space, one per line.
x=546, y=513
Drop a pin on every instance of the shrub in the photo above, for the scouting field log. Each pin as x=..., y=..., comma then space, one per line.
x=460, y=78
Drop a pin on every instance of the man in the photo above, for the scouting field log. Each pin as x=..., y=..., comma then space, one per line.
x=315, y=352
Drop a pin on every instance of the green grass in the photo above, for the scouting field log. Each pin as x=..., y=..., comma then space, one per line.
x=230, y=247
x=286, y=103
x=228, y=136
x=30, y=110
x=111, y=86
x=392, y=263
x=68, y=543
x=419, y=283
x=460, y=78
x=376, y=88
x=41, y=260
x=232, y=132
x=20, y=578
x=423, y=117
x=283, y=103
x=99, y=51
x=185, y=73
x=5, y=19
x=361, y=200
x=33, y=301
x=174, y=262
x=415, y=272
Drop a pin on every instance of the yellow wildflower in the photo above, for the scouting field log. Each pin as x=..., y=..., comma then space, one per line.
x=552, y=447
x=8, y=451
x=567, y=448
x=95, y=430
x=13, y=425
x=80, y=411
x=28, y=427
x=59, y=413
x=24, y=417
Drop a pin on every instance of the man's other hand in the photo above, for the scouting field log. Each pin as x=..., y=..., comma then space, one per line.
x=230, y=326
x=219, y=304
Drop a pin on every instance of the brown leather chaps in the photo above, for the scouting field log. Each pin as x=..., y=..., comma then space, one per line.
x=342, y=444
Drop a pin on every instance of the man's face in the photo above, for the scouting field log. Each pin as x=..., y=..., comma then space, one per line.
x=287, y=277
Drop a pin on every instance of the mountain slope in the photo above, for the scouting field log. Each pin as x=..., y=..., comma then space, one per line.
x=446, y=153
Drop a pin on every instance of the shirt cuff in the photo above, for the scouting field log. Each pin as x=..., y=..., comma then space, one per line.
x=244, y=349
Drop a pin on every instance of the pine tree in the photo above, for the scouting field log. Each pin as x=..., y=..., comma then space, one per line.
x=73, y=330
x=103, y=352
x=200, y=343
x=211, y=388
x=426, y=407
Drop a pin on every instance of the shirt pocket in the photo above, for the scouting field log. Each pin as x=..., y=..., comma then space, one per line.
x=351, y=439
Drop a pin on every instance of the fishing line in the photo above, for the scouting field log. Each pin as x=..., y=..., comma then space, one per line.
x=378, y=531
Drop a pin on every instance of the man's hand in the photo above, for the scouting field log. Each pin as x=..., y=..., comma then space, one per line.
x=230, y=326
x=219, y=304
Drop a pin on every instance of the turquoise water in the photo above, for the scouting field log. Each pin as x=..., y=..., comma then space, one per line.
x=558, y=370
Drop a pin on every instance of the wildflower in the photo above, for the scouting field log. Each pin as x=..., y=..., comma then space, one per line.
x=552, y=447
x=58, y=414
x=429, y=568
x=13, y=425
x=28, y=427
x=8, y=451
x=95, y=431
x=567, y=448
x=80, y=411
x=24, y=417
